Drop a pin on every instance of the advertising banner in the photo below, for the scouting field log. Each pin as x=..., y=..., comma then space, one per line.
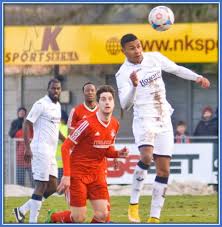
x=190, y=162
x=100, y=44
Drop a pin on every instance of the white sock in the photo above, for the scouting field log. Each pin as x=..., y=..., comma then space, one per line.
x=34, y=211
x=139, y=177
x=25, y=207
x=158, y=198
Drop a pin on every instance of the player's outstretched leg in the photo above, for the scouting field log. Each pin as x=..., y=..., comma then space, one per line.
x=139, y=176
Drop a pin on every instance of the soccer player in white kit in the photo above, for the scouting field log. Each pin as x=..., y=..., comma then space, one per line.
x=140, y=84
x=43, y=119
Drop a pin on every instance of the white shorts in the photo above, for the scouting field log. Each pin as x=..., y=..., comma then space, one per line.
x=44, y=164
x=148, y=131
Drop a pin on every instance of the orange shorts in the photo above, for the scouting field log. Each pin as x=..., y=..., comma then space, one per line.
x=85, y=187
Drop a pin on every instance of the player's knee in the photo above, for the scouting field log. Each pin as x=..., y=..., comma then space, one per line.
x=147, y=158
x=48, y=193
x=146, y=154
x=101, y=216
x=78, y=217
x=40, y=187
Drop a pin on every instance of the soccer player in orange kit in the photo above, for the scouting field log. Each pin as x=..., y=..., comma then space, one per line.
x=92, y=141
x=85, y=109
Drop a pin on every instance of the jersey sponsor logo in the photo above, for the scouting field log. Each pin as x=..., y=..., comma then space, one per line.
x=102, y=144
x=150, y=79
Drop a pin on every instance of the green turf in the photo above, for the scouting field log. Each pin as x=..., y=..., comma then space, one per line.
x=177, y=209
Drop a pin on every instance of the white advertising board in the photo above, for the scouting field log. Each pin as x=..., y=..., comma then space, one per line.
x=190, y=162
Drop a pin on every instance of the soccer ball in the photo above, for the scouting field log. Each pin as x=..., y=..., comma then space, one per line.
x=161, y=18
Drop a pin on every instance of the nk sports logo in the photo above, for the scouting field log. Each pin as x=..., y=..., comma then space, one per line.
x=41, y=45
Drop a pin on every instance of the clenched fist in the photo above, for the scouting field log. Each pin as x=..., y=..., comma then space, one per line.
x=203, y=82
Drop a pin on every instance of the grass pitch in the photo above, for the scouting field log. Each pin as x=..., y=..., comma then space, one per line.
x=177, y=209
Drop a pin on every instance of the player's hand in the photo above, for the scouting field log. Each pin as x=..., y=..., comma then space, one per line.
x=123, y=153
x=203, y=82
x=64, y=184
x=134, y=79
x=28, y=155
x=115, y=163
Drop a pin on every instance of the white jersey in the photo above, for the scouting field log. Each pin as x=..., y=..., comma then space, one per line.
x=149, y=97
x=45, y=116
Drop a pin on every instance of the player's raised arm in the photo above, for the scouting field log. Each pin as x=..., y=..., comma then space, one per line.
x=203, y=82
x=180, y=71
x=127, y=89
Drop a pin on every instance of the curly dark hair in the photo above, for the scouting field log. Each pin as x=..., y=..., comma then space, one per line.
x=104, y=88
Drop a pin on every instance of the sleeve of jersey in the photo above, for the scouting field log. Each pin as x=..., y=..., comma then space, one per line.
x=70, y=122
x=126, y=92
x=66, y=146
x=35, y=112
x=180, y=71
x=111, y=151
x=75, y=137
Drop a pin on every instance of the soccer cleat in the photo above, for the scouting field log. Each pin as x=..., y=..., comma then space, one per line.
x=153, y=220
x=19, y=216
x=133, y=213
x=49, y=214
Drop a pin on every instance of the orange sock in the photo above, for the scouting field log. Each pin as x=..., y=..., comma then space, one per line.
x=62, y=217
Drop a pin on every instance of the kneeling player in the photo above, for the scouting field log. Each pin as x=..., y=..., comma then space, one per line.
x=92, y=141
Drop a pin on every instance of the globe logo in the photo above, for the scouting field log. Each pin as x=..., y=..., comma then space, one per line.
x=113, y=46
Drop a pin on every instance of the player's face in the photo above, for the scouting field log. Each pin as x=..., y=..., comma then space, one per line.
x=89, y=93
x=106, y=103
x=133, y=51
x=54, y=91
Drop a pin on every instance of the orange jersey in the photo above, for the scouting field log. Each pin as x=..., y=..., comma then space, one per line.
x=78, y=113
x=93, y=141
